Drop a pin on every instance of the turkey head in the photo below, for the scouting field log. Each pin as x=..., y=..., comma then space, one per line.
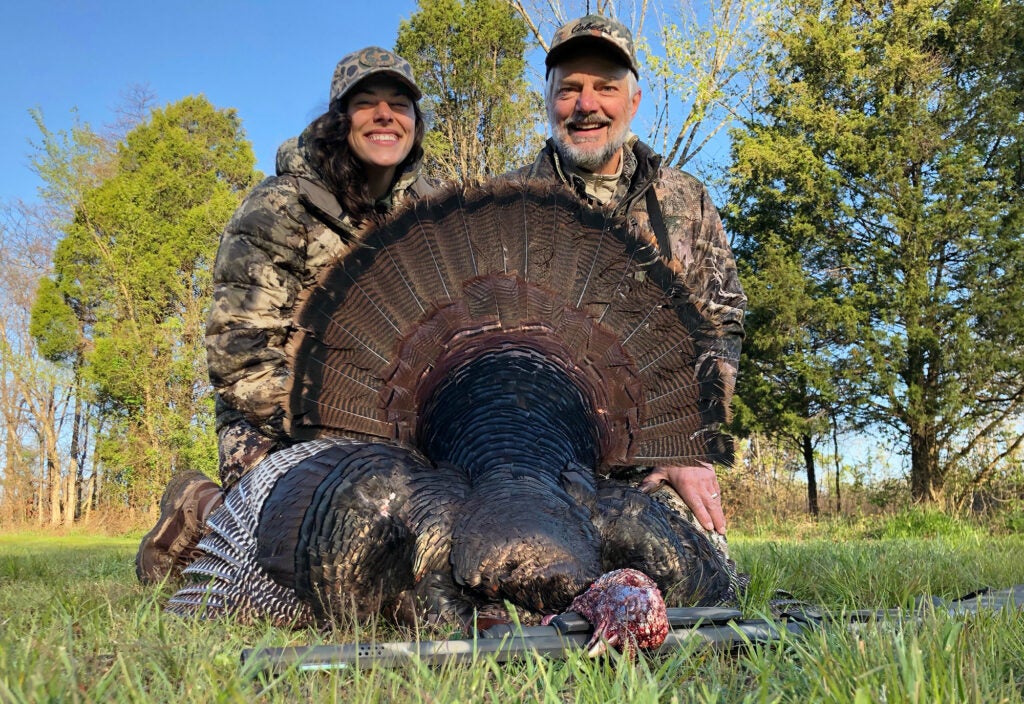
x=627, y=612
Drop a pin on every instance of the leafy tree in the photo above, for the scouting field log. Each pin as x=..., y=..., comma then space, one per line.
x=888, y=157
x=69, y=163
x=468, y=58
x=134, y=266
x=703, y=67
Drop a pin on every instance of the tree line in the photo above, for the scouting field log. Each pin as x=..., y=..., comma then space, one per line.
x=873, y=190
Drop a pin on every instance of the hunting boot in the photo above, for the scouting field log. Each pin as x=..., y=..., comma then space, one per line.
x=172, y=543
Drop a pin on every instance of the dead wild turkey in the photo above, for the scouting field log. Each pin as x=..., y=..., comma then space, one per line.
x=493, y=356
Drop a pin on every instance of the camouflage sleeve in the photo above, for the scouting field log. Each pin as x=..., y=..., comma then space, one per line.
x=256, y=277
x=699, y=243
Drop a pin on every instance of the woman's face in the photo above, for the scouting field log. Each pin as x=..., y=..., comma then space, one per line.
x=383, y=124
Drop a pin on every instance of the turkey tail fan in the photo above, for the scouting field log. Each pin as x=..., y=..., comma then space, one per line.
x=503, y=265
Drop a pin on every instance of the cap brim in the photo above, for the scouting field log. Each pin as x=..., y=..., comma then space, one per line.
x=404, y=80
x=391, y=73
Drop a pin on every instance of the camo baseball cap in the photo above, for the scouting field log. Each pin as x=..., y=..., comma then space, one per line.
x=593, y=28
x=371, y=61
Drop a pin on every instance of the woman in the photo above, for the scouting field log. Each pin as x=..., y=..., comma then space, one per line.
x=350, y=166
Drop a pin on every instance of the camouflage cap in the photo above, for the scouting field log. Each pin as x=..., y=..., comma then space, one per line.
x=594, y=28
x=371, y=61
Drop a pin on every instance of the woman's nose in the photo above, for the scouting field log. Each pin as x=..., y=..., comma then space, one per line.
x=383, y=112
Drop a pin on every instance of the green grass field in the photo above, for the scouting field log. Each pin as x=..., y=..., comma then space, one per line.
x=75, y=626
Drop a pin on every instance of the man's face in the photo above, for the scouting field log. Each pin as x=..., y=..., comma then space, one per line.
x=590, y=109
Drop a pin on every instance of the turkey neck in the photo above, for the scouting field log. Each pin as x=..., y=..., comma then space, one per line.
x=513, y=420
x=509, y=411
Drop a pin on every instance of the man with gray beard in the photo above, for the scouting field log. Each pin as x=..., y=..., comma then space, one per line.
x=591, y=96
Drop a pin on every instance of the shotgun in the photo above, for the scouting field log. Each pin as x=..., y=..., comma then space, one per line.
x=716, y=627
x=722, y=629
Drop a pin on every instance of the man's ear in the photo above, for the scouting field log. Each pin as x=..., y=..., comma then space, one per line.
x=636, y=102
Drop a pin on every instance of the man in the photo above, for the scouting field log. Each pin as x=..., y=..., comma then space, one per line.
x=592, y=95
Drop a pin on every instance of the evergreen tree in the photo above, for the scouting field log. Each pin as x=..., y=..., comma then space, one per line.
x=787, y=388
x=888, y=159
x=468, y=59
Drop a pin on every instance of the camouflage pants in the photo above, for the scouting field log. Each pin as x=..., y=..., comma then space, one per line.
x=240, y=447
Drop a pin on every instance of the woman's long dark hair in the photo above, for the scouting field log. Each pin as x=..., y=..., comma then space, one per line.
x=327, y=148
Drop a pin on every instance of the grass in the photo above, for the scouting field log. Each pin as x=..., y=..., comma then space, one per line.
x=75, y=626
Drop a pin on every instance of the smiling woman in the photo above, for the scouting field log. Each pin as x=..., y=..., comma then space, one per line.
x=382, y=129
x=349, y=167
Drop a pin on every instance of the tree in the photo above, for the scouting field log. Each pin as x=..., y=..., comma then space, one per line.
x=787, y=386
x=888, y=156
x=69, y=163
x=55, y=329
x=468, y=59
x=134, y=267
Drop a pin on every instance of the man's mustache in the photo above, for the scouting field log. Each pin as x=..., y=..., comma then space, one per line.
x=587, y=121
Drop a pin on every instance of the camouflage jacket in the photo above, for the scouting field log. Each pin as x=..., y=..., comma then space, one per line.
x=700, y=247
x=287, y=229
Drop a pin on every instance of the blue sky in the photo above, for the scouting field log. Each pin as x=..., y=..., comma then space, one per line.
x=272, y=61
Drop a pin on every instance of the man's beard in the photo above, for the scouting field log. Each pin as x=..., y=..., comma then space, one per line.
x=580, y=156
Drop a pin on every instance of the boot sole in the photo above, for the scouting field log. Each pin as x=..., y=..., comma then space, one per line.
x=170, y=511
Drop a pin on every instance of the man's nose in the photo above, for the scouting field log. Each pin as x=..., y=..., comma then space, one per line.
x=587, y=101
x=382, y=112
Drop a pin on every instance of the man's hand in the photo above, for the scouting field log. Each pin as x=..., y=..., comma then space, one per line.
x=697, y=486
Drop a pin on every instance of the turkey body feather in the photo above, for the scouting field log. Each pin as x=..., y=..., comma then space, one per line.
x=489, y=355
